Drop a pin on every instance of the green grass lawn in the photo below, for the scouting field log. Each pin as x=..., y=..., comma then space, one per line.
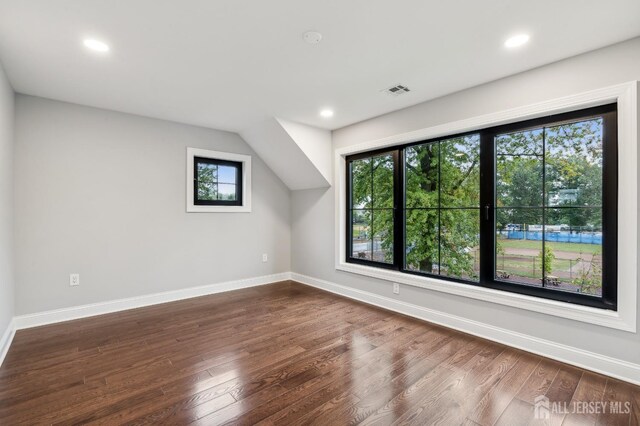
x=359, y=229
x=537, y=245
x=523, y=266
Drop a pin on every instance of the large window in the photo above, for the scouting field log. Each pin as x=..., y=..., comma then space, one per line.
x=528, y=207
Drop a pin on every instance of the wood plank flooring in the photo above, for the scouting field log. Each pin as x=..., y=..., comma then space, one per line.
x=286, y=354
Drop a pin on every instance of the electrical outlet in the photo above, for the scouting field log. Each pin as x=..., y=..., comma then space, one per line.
x=74, y=279
x=396, y=288
x=265, y=258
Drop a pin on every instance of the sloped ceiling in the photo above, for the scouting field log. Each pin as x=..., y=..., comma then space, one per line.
x=299, y=154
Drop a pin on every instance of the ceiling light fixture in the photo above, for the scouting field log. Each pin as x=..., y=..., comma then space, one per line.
x=517, y=40
x=96, y=45
x=326, y=113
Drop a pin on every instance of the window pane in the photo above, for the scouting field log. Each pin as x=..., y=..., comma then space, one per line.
x=519, y=181
x=570, y=258
x=382, y=181
x=519, y=245
x=226, y=192
x=574, y=164
x=519, y=171
x=459, y=241
x=227, y=174
x=361, y=234
x=460, y=172
x=523, y=143
x=421, y=176
x=383, y=236
x=361, y=183
x=573, y=247
x=421, y=244
x=207, y=171
x=207, y=191
x=207, y=181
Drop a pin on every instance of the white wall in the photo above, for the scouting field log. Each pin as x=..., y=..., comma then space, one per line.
x=102, y=194
x=6, y=202
x=314, y=142
x=313, y=210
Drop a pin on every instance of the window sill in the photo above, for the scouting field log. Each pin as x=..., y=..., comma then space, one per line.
x=601, y=317
x=218, y=209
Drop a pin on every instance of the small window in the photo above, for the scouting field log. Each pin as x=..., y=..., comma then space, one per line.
x=218, y=181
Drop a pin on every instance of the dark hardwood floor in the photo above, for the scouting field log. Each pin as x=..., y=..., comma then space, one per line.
x=285, y=354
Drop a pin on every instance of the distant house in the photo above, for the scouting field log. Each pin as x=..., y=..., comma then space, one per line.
x=563, y=196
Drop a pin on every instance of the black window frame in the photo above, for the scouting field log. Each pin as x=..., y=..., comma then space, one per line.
x=397, y=197
x=218, y=162
x=608, y=299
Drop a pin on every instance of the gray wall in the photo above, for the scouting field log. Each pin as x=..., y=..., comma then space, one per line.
x=102, y=194
x=6, y=202
x=313, y=211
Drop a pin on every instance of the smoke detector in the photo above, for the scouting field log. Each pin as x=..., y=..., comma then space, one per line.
x=396, y=90
x=312, y=37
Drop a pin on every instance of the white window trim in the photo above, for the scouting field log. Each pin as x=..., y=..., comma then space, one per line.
x=626, y=95
x=217, y=155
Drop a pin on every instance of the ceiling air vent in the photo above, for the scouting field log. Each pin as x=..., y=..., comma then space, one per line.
x=396, y=90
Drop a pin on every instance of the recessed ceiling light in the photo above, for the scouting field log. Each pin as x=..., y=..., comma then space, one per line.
x=517, y=40
x=96, y=45
x=312, y=37
x=326, y=113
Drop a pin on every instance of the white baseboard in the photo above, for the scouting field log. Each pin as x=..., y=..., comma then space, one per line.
x=66, y=314
x=6, y=339
x=613, y=367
